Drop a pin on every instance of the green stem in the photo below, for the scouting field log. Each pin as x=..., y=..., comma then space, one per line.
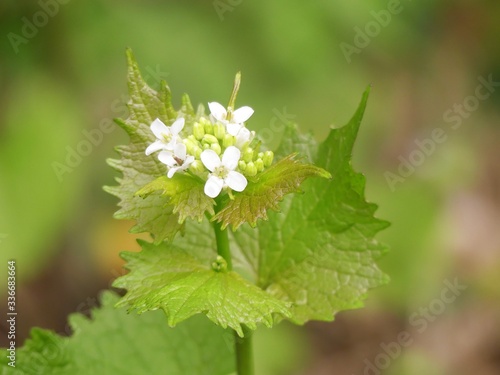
x=243, y=345
x=244, y=353
x=222, y=239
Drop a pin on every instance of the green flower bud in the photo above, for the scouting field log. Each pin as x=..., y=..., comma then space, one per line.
x=206, y=146
x=242, y=165
x=259, y=164
x=268, y=158
x=228, y=140
x=209, y=138
x=248, y=154
x=219, y=265
x=260, y=155
x=216, y=147
x=251, y=169
x=196, y=152
x=198, y=130
x=197, y=167
x=219, y=131
x=209, y=128
x=190, y=145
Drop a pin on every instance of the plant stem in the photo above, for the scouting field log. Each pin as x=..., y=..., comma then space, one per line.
x=222, y=239
x=244, y=353
x=243, y=345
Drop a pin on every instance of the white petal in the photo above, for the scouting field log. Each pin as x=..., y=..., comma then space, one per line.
x=171, y=145
x=177, y=126
x=155, y=146
x=180, y=150
x=236, y=181
x=189, y=160
x=231, y=157
x=172, y=171
x=244, y=136
x=158, y=128
x=166, y=158
x=217, y=110
x=213, y=186
x=233, y=128
x=210, y=159
x=242, y=114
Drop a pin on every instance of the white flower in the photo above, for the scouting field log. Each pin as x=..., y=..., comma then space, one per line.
x=243, y=137
x=178, y=160
x=166, y=136
x=236, y=120
x=223, y=173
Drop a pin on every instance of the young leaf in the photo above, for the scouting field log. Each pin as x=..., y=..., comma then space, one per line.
x=266, y=191
x=319, y=252
x=115, y=342
x=186, y=195
x=154, y=213
x=184, y=281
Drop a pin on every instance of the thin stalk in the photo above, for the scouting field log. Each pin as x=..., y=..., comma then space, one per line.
x=243, y=345
x=222, y=239
x=244, y=353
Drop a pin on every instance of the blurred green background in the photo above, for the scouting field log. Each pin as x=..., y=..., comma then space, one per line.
x=64, y=76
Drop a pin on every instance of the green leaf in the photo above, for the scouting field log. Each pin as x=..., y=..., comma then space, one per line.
x=154, y=213
x=319, y=252
x=186, y=195
x=184, y=281
x=266, y=191
x=115, y=342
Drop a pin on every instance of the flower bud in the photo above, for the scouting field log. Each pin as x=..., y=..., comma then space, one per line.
x=206, y=146
x=268, y=158
x=251, y=169
x=259, y=164
x=260, y=155
x=190, y=145
x=209, y=138
x=242, y=165
x=219, y=131
x=198, y=130
x=197, y=167
x=204, y=121
x=196, y=152
x=228, y=140
x=216, y=147
x=209, y=128
x=248, y=154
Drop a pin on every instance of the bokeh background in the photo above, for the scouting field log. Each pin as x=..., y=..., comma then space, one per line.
x=66, y=76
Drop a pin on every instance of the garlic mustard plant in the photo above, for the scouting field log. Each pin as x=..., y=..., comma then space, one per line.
x=307, y=258
x=252, y=251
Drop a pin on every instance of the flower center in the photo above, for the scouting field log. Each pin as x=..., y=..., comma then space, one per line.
x=166, y=137
x=220, y=172
x=178, y=160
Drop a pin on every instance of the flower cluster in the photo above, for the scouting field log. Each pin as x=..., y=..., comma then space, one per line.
x=218, y=149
